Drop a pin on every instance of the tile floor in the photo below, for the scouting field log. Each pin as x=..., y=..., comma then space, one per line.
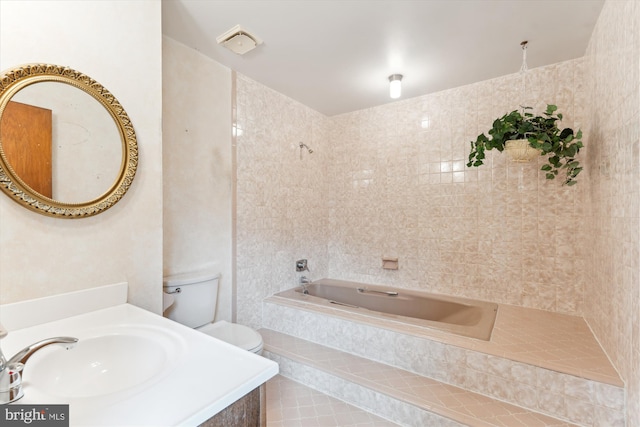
x=291, y=404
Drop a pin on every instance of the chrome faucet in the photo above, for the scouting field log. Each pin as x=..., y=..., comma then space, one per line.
x=11, y=370
x=304, y=282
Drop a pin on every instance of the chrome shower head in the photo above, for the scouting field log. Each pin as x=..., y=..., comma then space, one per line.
x=303, y=145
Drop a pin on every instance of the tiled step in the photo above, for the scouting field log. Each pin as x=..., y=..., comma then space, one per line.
x=400, y=396
x=486, y=368
x=290, y=404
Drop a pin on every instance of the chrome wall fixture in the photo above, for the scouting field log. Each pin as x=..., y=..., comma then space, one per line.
x=301, y=265
x=302, y=146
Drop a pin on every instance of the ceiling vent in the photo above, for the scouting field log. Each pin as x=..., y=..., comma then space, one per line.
x=238, y=40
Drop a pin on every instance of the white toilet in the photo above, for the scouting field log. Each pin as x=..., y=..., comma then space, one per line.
x=190, y=299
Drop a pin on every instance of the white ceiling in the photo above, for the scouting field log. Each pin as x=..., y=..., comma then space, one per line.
x=335, y=56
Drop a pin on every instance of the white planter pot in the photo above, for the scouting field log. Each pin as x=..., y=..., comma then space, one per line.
x=520, y=151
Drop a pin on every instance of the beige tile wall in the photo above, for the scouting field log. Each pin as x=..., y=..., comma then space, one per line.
x=383, y=183
x=501, y=232
x=612, y=297
x=392, y=181
x=282, y=198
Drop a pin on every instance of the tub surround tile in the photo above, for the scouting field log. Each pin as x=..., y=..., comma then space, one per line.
x=453, y=403
x=474, y=365
x=532, y=337
x=408, y=205
x=402, y=412
x=611, y=76
x=425, y=189
x=392, y=180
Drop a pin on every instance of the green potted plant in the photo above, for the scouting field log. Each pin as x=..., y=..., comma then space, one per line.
x=524, y=133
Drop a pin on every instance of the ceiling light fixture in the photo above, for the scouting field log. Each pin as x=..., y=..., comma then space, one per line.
x=395, y=85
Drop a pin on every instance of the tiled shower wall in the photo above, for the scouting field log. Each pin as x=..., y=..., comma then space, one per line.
x=282, y=199
x=400, y=187
x=612, y=296
x=392, y=181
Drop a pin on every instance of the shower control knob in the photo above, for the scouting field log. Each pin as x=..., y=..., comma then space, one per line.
x=301, y=265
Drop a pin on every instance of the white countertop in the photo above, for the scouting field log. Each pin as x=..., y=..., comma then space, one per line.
x=200, y=376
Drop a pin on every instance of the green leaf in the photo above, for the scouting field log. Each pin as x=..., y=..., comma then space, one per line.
x=571, y=151
x=560, y=146
x=566, y=133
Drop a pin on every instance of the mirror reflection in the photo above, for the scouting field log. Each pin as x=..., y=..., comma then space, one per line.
x=61, y=142
x=68, y=148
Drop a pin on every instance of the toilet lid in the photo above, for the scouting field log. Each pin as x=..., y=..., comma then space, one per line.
x=232, y=333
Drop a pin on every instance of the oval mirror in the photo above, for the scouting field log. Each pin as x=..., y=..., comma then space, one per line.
x=67, y=146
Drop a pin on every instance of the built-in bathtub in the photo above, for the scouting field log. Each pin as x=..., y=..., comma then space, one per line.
x=462, y=316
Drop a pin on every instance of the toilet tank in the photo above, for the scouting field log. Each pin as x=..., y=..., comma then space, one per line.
x=195, y=302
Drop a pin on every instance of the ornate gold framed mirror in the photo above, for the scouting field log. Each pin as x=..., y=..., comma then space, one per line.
x=67, y=146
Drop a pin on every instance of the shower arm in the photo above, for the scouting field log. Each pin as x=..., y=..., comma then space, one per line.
x=303, y=145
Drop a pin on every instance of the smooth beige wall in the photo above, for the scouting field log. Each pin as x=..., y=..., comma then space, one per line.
x=197, y=169
x=612, y=297
x=118, y=44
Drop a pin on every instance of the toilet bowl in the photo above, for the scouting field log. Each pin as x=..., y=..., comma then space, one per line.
x=190, y=299
x=232, y=333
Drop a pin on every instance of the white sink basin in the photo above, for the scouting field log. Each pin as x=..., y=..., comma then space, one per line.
x=114, y=360
x=129, y=367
